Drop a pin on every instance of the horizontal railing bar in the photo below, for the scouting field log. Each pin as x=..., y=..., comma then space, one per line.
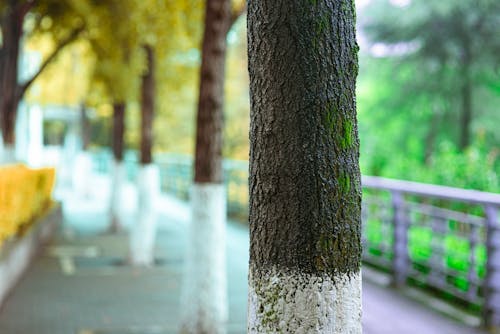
x=377, y=261
x=475, y=299
x=422, y=189
x=445, y=271
x=437, y=212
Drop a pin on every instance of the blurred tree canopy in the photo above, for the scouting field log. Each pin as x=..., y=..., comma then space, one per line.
x=19, y=20
x=429, y=91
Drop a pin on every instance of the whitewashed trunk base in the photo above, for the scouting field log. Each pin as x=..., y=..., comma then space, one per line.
x=81, y=174
x=291, y=302
x=204, y=294
x=119, y=175
x=143, y=232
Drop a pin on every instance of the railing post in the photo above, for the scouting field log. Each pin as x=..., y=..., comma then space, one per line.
x=492, y=281
x=400, y=261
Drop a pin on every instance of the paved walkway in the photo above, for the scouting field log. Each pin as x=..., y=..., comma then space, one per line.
x=81, y=285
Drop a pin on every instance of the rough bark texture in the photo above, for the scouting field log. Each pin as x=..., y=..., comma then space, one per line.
x=118, y=130
x=147, y=107
x=208, y=157
x=305, y=188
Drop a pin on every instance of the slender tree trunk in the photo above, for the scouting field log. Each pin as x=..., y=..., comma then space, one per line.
x=430, y=138
x=85, y=127
x=466, y=116
x=143, y=232
x=204, y=294
x=147, y=107
x=9, y=96
x=11, y=92
x=305, y=189
x=118, y=130
x=118, y=172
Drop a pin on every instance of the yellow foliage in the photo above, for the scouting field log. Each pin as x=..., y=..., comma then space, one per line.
x=66, y=80
x=24, y=194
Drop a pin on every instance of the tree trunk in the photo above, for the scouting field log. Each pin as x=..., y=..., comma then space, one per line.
x=305, y=188
x=85, y=127
x=147, y=107
x=9, y=98
x=204, y=293
x=208, y=155
x=466, y=117
x=118, y=173
x=11, y=92
x=143, y=232
x=430, y=137
x=118, y=130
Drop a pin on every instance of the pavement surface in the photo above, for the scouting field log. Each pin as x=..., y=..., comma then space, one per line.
x=81, y=284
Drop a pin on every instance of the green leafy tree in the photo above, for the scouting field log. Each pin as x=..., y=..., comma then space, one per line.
x=447, y=51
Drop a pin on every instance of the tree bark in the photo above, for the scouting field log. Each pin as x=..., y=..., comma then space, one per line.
x=147, y=107
x=208, y=153
x=204, y=296
x=143, y=234
x=305, y=188
x=119, y=171
x=85, y=127
x=118, y=130
x=11, y=91
x=466, y=115
x=9, y=99
x=430, y=137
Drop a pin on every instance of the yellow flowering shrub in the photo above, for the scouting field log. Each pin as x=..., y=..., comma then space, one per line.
x=25, y=193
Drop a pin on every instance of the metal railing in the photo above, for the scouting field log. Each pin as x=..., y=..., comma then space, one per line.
x=442, y=238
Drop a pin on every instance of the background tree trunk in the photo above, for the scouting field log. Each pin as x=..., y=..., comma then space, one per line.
x=143, y=232
x=305, y=188
x=85, y=127
x=430, y=137
x=119, y=175
x=147, y=107
x=118, y=130
x=466, y=115
x=11, y=92
x=204, y=293
x=9, y=97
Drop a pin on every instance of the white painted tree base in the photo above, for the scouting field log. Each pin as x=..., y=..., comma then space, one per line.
x=81, y=174
x=204, y=294
x=119, y=175
x=288, y=302
x=143, y=232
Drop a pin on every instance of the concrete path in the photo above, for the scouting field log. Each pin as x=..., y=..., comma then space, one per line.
x=82, y=285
